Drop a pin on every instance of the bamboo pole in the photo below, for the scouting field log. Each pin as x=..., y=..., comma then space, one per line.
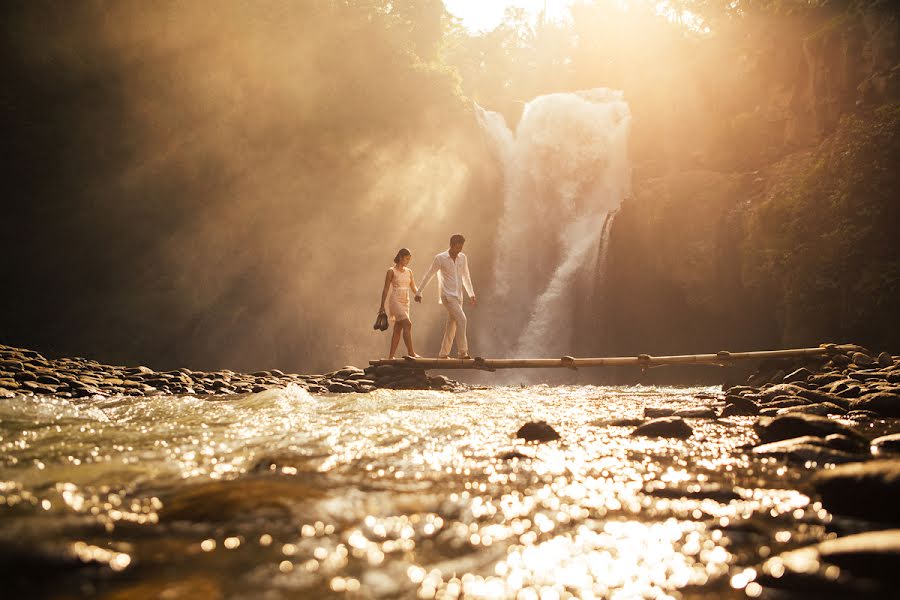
x=642, y=360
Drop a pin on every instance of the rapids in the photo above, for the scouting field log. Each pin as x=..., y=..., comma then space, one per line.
x=389, y=494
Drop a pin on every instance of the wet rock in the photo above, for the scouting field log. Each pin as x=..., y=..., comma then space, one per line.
x=861, y=359
x=784, y=389
x=864, y=565
x=825, y=378
x=801, y=374
x=653, y=412
x=340, y=388
x=869, y=490
x=885, y=360
x=738, y=405
x=807, y=449
x=537, y=431
x=783, y=427
x=886, y=404
x=673, y=427
x=886, y=445
x=856, y=445
x=820, y=408
x=700, y=412
x=820, y=397
x=513, y=455
x=840, y=360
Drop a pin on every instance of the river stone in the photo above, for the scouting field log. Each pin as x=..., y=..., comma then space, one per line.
x=867, y=566
x=856, y=445
x=340, y=388
x=885, y=360
x=886, y=404
x=783, y=427
x=788, y=389
x=869, y=490
x=886, y=445
x=674, y=427
x=654, y=412
x=821, y=408
x=817, y=396
x=823, y=379
x=807, y=449
x=862, y=360
x=738, y=405
x=801, y=374
x=699, y=412
x=537, y=431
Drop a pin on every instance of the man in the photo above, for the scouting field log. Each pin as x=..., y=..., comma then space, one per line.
x=452, y=269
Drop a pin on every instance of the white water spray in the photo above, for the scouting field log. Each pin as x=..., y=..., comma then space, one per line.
x=566, y=171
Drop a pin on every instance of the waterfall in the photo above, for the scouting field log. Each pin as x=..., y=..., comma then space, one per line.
x=565, y=172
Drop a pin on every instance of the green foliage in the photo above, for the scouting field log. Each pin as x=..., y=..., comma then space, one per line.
x=826, y=236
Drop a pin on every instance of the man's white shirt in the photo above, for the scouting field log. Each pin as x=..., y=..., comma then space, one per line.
x=453, y=275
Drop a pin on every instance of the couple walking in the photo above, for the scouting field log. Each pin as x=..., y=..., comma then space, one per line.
x=452, y=270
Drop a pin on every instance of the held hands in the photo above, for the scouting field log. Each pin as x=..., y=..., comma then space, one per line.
x=418, y=298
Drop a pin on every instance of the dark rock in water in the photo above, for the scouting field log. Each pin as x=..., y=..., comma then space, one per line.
x=869, y=490
x=821, y=409
x=885, y=404
x=862, y=360
x=784, y=389
x=807, y=449
x=674, y=427
x=700, y=412
x=340, y=388
x=885, y=360
x=825, y=378
x=840, y=360
x=886, y=445
x=513, y=454
x=537, y=431
x=861, y=415
x=783, y=427
x=654, y=412
x=856, y=445
x=817, y=396
x=801, y=374
x=788, y=401
x=865, y=565
x=738, y=405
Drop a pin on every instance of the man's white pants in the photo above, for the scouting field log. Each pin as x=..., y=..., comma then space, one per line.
x=456, y=326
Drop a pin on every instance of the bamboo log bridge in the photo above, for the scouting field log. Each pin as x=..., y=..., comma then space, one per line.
x=722, y=358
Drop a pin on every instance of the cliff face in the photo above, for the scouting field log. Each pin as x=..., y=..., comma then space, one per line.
x=782, y=235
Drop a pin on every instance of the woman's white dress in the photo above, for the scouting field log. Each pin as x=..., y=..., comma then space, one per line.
x=398, y=299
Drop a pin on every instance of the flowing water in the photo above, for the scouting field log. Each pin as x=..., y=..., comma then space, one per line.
x=565, y=172
x=391, y=494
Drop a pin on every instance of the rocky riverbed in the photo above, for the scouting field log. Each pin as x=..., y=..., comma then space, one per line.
x=27, y=373
x=123, y=480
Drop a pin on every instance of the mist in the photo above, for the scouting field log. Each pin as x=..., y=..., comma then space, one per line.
x=223, y=185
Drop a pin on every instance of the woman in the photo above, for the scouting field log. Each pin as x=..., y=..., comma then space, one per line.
x=398, y=281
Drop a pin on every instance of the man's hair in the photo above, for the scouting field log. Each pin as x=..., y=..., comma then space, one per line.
x=457, y=238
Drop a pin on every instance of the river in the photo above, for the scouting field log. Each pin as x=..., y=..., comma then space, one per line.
x=283, y=494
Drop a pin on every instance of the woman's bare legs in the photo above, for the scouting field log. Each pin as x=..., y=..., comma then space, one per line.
x=407, y=338
x=395, y=338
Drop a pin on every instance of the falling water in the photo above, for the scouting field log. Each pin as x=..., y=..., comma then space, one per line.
x=566, y=171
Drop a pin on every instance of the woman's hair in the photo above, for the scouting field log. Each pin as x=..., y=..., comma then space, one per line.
x=400, y=254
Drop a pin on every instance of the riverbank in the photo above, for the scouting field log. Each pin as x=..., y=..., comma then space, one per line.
x=781, y=487
x=26, y=372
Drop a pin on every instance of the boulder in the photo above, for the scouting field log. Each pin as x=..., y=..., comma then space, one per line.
x=869, y=490
x=537, y=431
x=783, y=427
x=673, y=427
x=886, y=445
x=886, y=404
